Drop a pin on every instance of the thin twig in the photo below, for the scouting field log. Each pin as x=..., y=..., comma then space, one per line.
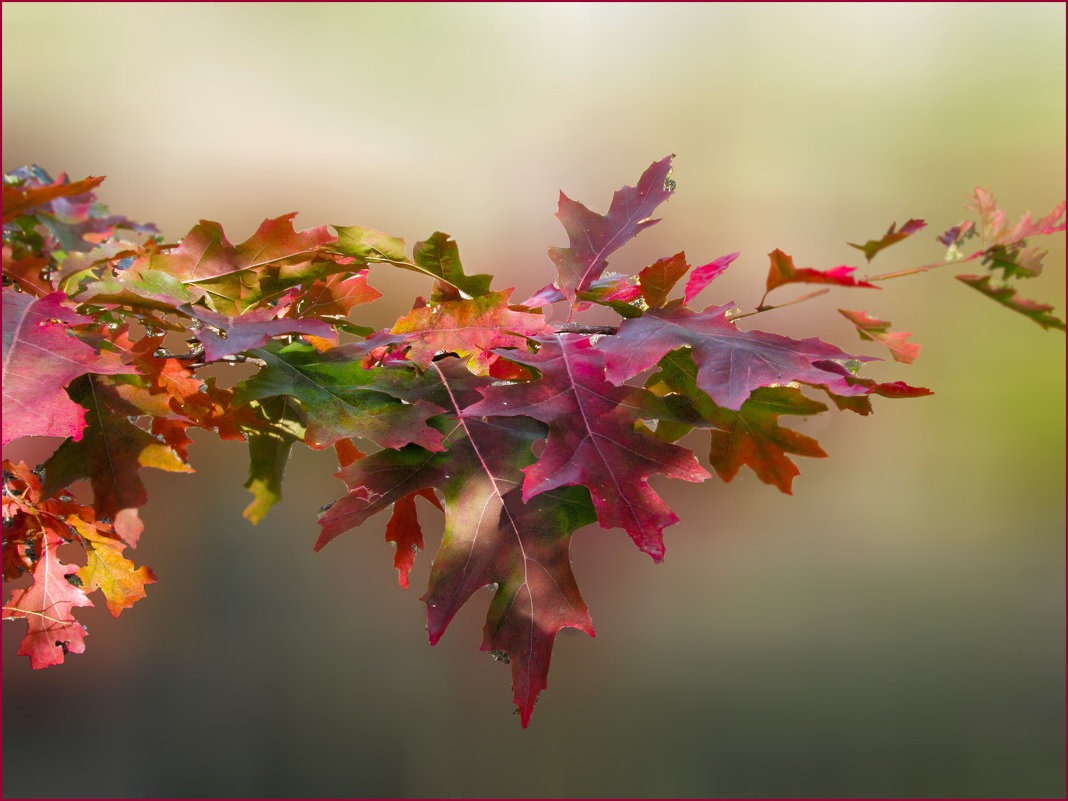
x=916, y=270
x=763, y=308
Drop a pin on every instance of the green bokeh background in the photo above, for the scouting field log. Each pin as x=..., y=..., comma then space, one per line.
x=896, y=628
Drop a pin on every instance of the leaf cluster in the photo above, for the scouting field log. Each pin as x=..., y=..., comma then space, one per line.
x=520, y=431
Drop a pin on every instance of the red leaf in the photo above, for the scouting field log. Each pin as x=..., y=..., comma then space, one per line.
x=658, y=279
x=28, y=273
x=731, y=363
x=592, y=439
x=593, y=237
x=235, y=278
x=467, y=328
x=403, y=530
x=521, y=552
x=703, y=276
x=492, y=537
x=872, y=328
x=40, y=359
x=335, y=297
x=957, y=234
x=783, y=272
x=873, y=246
x=46, y=605
x=858, y=400
x=18, y=200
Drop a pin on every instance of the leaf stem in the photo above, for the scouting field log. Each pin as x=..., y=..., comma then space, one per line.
x=763, y=308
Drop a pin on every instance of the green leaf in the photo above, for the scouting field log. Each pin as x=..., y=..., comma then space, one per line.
x=750, y=436
x=1007, y=296
x=369, y=245
x=268, y=451
x=339, y=398
x=891, y=237
x=439, y=256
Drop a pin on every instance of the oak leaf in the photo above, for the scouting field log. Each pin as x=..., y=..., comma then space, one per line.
x=783, y=272
x=340, y=398
x=40, y=358
x=872, y=328
x=592, y=439
x=46, y=606
x=467, y=327
x=731, y=363
x=1008, y=296
x=593, y=237
x=891, y=237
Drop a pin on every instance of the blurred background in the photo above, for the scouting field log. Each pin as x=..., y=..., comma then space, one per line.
x=895, y=628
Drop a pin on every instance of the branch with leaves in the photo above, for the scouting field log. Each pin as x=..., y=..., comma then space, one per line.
x=521, y=431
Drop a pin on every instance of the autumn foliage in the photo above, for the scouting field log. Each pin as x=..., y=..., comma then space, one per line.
x=521, y=431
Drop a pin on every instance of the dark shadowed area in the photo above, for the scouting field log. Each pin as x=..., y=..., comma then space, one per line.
x=895, y=628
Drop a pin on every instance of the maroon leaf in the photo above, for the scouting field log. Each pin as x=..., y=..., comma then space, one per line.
x=957, y=234
x=731, y=363
x=593, y=237
x=250, y=330
x=492, y=537
x=592, y=439
x=40, y=359
x=521, y=551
